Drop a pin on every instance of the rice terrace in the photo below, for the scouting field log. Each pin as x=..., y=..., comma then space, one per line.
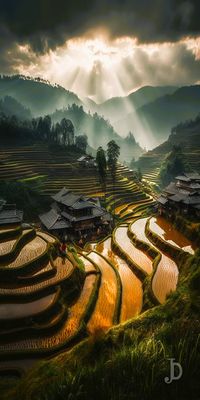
x=99, y=201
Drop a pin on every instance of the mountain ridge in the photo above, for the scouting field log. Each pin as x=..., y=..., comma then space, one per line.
x=157, y=118
x=36, y=93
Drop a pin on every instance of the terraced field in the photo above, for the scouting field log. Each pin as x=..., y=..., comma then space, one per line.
x=125, y=245
x=62, y=273
x=164, y=229
x=187, y=137
x=30, y=251
x=53, y=171
x=8, y=246
x=33, y=299
x=69, y=304
x=49, y=305
x=165, y=277
x=67, y=331
x=20, y=310
x=131, y=286
x=104, y=313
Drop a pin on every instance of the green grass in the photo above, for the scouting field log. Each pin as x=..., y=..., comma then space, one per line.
x=33, y=179
x=78, y=261
x=132, y=359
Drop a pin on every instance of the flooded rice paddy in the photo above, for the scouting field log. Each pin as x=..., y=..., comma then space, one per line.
x=166, y=276
x=166, y=231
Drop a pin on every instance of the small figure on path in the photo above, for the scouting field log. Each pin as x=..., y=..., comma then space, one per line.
x=63, y=248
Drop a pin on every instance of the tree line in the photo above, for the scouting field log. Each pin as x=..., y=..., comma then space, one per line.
x=13, y=129
x=107, y=161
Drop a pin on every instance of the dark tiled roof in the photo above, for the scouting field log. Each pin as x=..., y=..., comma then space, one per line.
x=68, y=216
x=193, y=175
x=182, y=178
x=79, y=205
x=192, y=200
x=73, y=200
x=2, y=203
x=85, y=158
x=96, y=213
x=58, y=196
x=171, y=188
x=107, y=217
x=163, y=200
x=49, y=219
x=195, y=186
x=52, y=220
x=178, y=197
x=66, y=197
x=10, y=216
x=61, y=224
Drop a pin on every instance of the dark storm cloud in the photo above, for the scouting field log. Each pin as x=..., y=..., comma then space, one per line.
x=47, y=24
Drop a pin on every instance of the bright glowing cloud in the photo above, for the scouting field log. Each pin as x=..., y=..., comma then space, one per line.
x=98, y=67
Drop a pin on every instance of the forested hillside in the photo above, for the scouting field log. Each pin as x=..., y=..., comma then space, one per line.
x=37, y=94
x=186, y=136
x=98, y=130
x=157, y=118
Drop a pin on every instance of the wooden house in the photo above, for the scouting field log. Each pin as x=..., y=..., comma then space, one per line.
x=73, y=215
x=182, y=195
x=87, y=161
x=9, y=215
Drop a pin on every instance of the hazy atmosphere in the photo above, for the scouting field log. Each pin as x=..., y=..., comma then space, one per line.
x=102, y=49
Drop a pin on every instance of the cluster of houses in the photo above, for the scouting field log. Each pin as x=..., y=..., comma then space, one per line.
x=73, y=216
x=181, y=196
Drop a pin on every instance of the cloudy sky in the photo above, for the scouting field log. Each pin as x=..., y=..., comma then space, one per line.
x=102, y=48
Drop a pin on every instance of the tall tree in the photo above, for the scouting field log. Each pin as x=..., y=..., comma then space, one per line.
x=82, y=142
x=173, y=165
x=47, y=127
x=113, y=152
x=67, y=131
x=58, y=133
x=102, y=166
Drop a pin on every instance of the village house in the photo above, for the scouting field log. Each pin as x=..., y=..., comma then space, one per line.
x=181, y=196
x=87, y=161
x=73, y=216
x=9, y=215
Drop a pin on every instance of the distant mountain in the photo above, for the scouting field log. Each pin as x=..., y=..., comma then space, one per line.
x=187, y=136
x=10, y=107
x=38, y=95
x=18, y=92
x=90, y=104
x=115, y=107
x=153, y=121
x=98, y=130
